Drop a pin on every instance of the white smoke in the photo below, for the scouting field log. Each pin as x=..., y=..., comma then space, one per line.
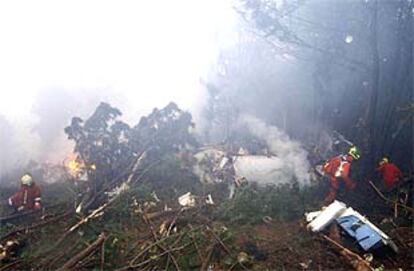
x=292, y=158
x=8, y=145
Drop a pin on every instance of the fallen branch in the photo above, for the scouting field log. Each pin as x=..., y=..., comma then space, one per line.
x=204, y=265
x=381, y=195
x=38, y=225
x=356, y=261
x=220, y=241
x=159, y=214
x=172, y=224
x=130, y=172
x=159, y=255
x=52, y=259
x=132, y=262
x=18, y=215
x=102, y=255
x=196, y=246
x=26, y=213
x=10, y=265
x=95, y=213
x=84, y=253
x=99, y=211
x=154, y=235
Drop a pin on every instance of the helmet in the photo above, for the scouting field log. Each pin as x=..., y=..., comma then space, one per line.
x=384, y=160
x=26, y=179
x=354, y=152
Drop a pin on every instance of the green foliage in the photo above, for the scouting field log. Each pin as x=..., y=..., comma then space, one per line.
x=99, y=139
x=172, y=179
x=58, y=193
x=250, y=204
x=112, y=146
x=164, y=131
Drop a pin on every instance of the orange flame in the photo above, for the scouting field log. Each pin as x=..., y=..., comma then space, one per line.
x=76, y=167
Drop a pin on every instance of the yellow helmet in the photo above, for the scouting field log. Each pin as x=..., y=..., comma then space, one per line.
x=354, y=152
x=26, y=179
x=384, y=160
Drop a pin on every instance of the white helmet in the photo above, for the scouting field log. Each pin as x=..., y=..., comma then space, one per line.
x=26, y=179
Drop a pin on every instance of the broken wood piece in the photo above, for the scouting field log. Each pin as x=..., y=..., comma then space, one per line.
x=356, y=261
x=219, y=241
x=159, y=255
x=84, y=253
x=155, y=237
x=204, y=266
x=173, y=223
x=99, y=211
x=10, y=265
x=103, y=255
x=95, y=213
x=32, y=227
x=159, y=214
x=381, y=195
x=196, y=246
x=132, y=262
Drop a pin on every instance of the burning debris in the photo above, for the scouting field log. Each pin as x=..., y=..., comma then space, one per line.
x=77, y=168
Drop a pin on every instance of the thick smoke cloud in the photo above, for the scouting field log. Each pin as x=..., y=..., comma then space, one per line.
x=125, y=61
x=292, y=158
x=39, y=135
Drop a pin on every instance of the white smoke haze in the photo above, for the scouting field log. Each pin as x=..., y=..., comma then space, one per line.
x=8, y=145
x=291, y=161
x=60, y=60
x=38, y=134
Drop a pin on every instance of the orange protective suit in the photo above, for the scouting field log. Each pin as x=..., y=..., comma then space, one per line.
x=27, y=198
x=338, y=167
x=390, y=174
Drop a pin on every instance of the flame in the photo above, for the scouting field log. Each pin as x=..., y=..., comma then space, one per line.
x=76, y=166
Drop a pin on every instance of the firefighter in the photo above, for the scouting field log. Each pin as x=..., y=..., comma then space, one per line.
x=29, y=195
x=391, y=174
x=339, y=167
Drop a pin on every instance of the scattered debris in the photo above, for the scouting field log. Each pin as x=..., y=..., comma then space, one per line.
x=209, y=200
x=267, y=219
x=187, y=200
x=368, y=236
x=9, y=248
x=243, y=258
x=320, y=219
x=305, y=265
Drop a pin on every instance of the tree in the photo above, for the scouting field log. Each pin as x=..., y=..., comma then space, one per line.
x=109, y=147
x=101, y=141
x=360, y=71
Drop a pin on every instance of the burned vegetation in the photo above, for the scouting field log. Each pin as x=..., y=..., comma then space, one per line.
x=153, y=197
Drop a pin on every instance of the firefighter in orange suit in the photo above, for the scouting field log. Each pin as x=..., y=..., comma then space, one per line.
x=28, y=197
x=339, y=168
